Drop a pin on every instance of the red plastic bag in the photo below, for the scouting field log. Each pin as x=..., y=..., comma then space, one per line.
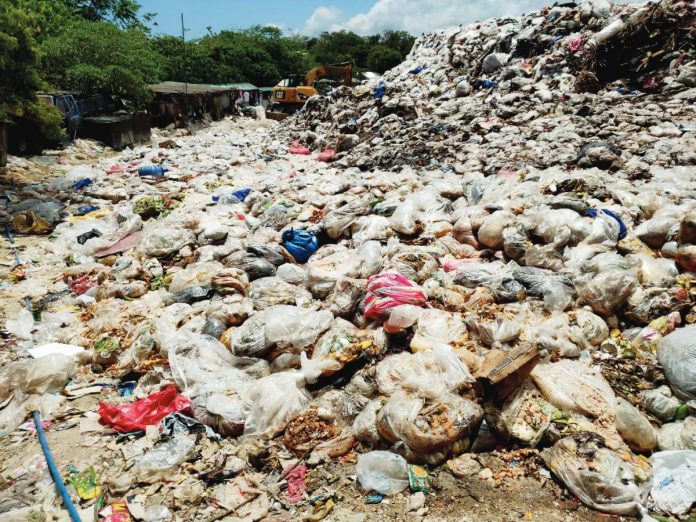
x=327, y=155
x=298, y=148
x=135, y=416
x=390, y=289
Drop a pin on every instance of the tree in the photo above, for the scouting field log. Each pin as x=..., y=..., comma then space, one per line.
x=383, y=58
x=400, y=41
x=98, y=57
x=19, y=78
x=124, y=13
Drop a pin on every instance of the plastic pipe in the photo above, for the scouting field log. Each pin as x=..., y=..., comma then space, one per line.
x=55, y=474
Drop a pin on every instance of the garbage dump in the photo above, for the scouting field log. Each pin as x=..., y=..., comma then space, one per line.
x=476, y=272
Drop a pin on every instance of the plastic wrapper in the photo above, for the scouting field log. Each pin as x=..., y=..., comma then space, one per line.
x=271, y=291
x=680, y=435
x=634, y=427
x=136, y=416
x=673, y=489
x=677, y=355
x=426, y=427
x=603, y=479
x=383, y=472
x=429, y=374
x=164, y=459
x=389, y=290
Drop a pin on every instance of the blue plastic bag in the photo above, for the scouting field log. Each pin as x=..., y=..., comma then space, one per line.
x=622, y=227
x=300, y=243
x=85, y=182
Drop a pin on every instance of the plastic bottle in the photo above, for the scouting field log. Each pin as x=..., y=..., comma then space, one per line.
x=152, y=170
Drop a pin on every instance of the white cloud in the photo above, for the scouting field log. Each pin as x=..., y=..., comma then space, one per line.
x=324, y=18
x=417, y=16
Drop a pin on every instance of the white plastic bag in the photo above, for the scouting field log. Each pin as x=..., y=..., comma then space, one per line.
x=677, y=355
x=673, y=489
x=383, y=472
x=22, y=326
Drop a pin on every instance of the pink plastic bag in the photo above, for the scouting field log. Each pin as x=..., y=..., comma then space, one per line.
x=298, y=148
x=296, y=484
x=327, y=155
x=136, y=416
x=390, y=289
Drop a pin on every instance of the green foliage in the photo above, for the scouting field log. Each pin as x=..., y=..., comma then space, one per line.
x=94, y=57
x=383, y=58
x=46, y=119
x=18, y=76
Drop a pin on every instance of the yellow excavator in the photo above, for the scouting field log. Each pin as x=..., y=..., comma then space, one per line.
x=291, y=94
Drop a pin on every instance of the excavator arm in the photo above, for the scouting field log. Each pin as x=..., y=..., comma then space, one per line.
x=345, y=69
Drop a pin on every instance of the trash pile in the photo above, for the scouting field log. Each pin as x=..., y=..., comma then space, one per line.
x=240, y=323
x=568, y=86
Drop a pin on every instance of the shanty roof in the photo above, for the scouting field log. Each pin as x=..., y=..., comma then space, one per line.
x=242, y=86
x=198, y=88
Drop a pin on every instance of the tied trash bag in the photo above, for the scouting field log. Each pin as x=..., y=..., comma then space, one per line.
x=136, y=416
x=677, y=355
x=388, y=290
x=603, y=479
x=383, y=472
x=298, y=148
x=300, y=243
x=673, y=490
x=680, y=435
x=427, y=426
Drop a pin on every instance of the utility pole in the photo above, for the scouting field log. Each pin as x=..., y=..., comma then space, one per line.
x=183, y=40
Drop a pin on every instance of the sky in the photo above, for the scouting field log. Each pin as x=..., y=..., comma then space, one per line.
x=311, y=17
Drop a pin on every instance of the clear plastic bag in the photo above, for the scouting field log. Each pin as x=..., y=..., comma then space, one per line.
x=48, y=374
x=427, y=427
x=295, y=327
x=673, y=490
x=164, y=459
x=677, y=355
x=195, y=275
x=660, y=403
x=272, y=402
x=323, y=272
x=524, y=417
x=270, y=291
x=634, y=427
x=383, y=472
x=365, y=424
x=338, y=220
x=22, y=326
x=426, y=374
x=606, y=292
x=603, y=479
x=436, y=327
x=678, y=435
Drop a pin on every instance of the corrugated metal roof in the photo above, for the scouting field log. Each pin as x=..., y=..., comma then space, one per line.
x=242, y=86
x=198, y=88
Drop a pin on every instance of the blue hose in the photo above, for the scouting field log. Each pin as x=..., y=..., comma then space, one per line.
x=55, y=474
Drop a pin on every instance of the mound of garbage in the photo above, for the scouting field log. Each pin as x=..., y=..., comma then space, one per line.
x=497, y=280
x=570, y=85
